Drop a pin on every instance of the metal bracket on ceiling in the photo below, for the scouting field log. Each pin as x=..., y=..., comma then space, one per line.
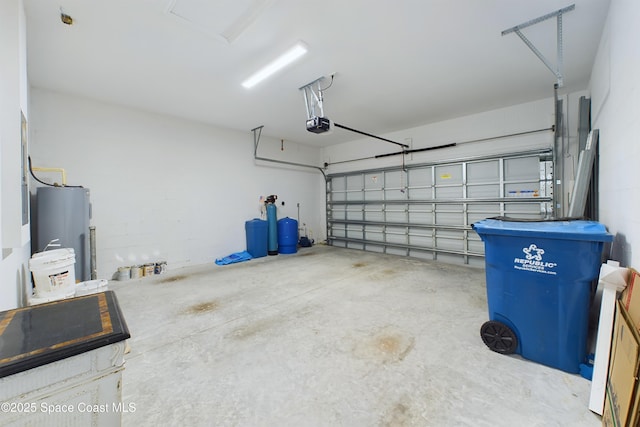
x=257, y=133
x=313, y=98
x=557, y=71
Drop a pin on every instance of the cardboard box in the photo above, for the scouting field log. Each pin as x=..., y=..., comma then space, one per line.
x=622, y=404
x=631, y=297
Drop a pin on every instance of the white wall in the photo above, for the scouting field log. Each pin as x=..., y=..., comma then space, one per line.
x=164, y=188
x=14, y=236
x=615, y=88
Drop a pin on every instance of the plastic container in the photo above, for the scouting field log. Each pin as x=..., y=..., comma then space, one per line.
x=136, y=271
x=287, y=236
x=257, y=232
x=53, y=272
x=148, y=269
x=160, y=267
x=91, y=287
x=124, y=273
x=539, y=278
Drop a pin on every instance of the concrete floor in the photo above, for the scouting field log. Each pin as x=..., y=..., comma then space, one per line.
x=329, y=337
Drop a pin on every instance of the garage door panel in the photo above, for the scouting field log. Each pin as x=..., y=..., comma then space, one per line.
x=448, y=258
x=396, y=251
x=394, y=183
x=374, y=233
x=354, y=233
x=421, y=254
x=338, y=232
x=522, y=189
x=396, y=213
x=450, y=214
x=355, y=182
x=421, y=240
x=420, y=177
x=420, y=216
x=373, y=195
x=449, y=193
x=394, y=194
x=522, y=210
x=450, y=240
x=475, y=246
x=374, y=213
x=375, y=248
x=354, y=188
x=373, y=181
x=355, y=245
x=486, y=191
x=522, y=168
x=482, y=211
x=432, y=217
x=338, y=196
x=449, y=174
x=354, y=196
x=396, y=235
x=484, y=172
x=337, y=189
x=338, y=213
x=420, y=193
x=354, y=213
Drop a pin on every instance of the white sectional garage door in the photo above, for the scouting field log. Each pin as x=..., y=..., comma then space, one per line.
x=426, y=210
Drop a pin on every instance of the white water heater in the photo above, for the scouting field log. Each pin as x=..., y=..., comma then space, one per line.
x=63, y=213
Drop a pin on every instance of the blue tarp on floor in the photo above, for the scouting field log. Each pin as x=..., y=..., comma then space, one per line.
x=233, y=258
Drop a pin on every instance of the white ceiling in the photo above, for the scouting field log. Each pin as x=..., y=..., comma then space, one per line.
x=398, y=63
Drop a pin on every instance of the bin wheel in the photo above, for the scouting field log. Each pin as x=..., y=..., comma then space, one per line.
x=499, y=337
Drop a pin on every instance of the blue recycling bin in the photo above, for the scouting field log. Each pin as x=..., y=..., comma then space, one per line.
x=539, y=276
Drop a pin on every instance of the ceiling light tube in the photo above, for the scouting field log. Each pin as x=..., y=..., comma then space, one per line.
x=279, y=63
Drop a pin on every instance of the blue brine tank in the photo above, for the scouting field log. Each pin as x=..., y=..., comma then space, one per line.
x=287, y=236
x=257, y=235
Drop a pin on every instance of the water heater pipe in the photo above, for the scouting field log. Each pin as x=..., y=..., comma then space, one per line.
x=92, y=251
x=62, y=172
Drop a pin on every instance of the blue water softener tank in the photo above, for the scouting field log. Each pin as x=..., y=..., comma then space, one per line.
x=287, y=236
x=272, y=220
x=257, y=232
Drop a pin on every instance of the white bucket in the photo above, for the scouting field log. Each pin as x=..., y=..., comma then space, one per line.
x=136, y=271
x=124, y=273
x=91, y=287
x=53, y=272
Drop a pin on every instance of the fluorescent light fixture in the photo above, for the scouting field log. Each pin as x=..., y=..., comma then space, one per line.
x=279, y=63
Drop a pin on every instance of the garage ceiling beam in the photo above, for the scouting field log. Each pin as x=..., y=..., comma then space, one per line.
x=557, y=70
